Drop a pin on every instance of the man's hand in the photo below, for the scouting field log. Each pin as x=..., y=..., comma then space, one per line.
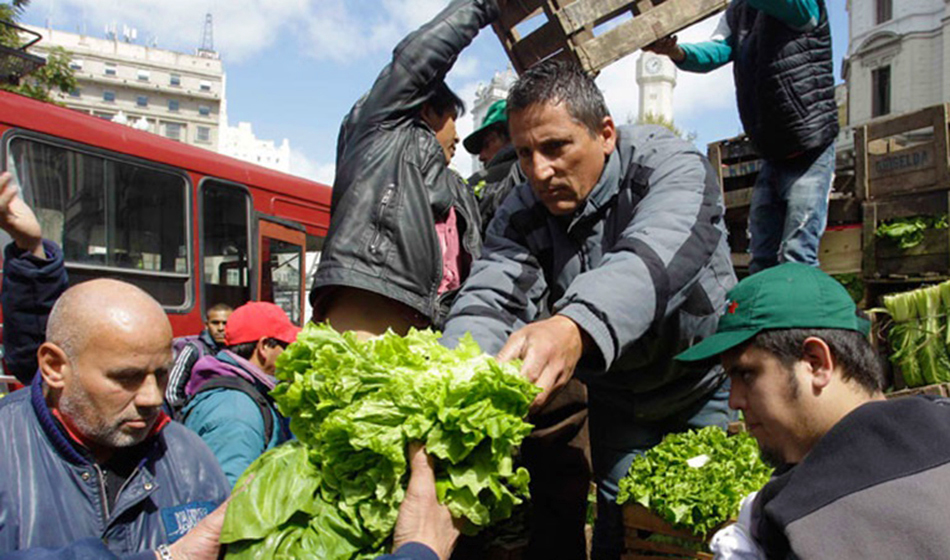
x=667, y=46
x=18, y=220
x=422, y=518
x=549, y=350
x=202, y=542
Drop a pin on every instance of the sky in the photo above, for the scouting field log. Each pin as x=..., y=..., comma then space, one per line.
x=295, y=67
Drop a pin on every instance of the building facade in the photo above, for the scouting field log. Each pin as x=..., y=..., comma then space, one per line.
x=656, y=76
x=240, y=142
x=485, y=96
x=176, y=95
x=895, y=42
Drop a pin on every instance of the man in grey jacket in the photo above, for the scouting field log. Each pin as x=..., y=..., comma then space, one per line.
x=618, y=233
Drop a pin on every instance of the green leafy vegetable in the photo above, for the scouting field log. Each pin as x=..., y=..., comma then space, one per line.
x=696, y=498
x=909, y=232
x=919, y=335
x=354, y=406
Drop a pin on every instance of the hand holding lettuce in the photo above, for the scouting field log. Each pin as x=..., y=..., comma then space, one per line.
x=354, y=406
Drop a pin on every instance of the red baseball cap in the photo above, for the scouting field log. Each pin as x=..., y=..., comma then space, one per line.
x=257, y=319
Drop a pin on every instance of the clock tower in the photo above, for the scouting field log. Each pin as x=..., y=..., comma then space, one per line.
x=656, y=76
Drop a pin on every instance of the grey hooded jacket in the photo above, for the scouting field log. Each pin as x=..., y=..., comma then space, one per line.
x=643, y=268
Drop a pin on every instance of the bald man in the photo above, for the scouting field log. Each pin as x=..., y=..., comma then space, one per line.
x=90, y=461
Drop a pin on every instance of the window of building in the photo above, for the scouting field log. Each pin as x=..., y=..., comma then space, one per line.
x=75, y=64
x=174, y=80
x=173, y=105
x=104, y=116
x=142, y=101
x=75, y=93
x=122, y=216
x=225, y=244
x=881, y=91
x=173, y=130
x=108, y=96
x=110, y=69
x=204, y=110
x=885, y=10
x=205, y=85
x=143, y=75
x=203, y=134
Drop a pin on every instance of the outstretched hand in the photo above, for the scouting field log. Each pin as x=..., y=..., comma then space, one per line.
x=667, y=46
x=17, y=219
x=422, y=518
x=549, y=350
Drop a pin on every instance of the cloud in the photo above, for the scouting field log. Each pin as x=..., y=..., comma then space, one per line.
x=303, y=166
x=324, y=29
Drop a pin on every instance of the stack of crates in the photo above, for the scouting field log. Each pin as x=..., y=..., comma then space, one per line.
x=903, y=168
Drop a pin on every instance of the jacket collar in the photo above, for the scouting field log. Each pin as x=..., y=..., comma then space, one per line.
x=602, y=193
x=67, y=444
x=209, y=341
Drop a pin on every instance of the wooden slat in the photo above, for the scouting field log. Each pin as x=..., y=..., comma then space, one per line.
x=840, y=251
x=738, y=198
x=905, y=123
x=908, y=160
x=660, y=21
x=585, y=13
x=714, y=154
x=517, y=12
x=861, y=162
x=942, y=154
x=640, y=546
x=636, y=516
x=537, y=46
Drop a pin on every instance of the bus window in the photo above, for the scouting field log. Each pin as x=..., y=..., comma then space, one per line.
x=314, y=249
x=282, y=268
x=112, y=218
x=225, y=244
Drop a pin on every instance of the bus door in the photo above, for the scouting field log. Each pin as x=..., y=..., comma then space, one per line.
x=282, y=267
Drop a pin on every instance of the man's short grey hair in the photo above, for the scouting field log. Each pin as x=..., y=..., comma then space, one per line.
x=65, y=331
x=556, y=81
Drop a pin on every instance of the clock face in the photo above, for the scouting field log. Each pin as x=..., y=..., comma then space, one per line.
x=653, y=65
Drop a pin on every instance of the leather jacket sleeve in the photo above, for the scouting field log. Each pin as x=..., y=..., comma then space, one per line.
x=425, y=56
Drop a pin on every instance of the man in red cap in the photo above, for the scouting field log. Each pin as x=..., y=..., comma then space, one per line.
x=228, y=394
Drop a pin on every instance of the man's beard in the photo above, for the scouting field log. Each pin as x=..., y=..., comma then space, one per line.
x=771, y=457
x=110, y=435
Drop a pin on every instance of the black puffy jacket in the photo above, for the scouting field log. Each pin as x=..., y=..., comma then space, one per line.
x=785, y=85
x=392, y=183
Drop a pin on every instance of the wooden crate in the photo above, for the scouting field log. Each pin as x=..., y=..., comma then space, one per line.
x=737, y=164
x=884, y=260
x=903, y=154
x=840, y=250
x=639, y=523
x=569, y=29
x=938, y=390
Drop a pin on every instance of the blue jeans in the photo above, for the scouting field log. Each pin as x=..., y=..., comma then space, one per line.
x=616, y=439
x=790, y=209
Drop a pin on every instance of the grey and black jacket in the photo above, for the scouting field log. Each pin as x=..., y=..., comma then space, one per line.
x=643, y=268
x=500, y=176
x=876, y=485
x=392, y=183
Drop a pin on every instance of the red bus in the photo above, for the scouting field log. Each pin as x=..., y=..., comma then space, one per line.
x=191, y=227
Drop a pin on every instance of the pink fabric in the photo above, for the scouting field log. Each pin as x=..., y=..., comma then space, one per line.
x=448, y=234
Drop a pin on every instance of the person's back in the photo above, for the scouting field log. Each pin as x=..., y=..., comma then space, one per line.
x=229, y=409
x=228, y=402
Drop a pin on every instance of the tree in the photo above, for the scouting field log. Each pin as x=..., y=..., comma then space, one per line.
x=653, y=118
x=56, y=75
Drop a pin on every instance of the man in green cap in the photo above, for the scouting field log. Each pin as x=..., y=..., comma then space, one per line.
x=857, y=476
x=500, y=172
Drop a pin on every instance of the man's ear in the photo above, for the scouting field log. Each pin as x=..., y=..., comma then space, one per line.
x=608, y=135
x=817, y=355
x=54, y=365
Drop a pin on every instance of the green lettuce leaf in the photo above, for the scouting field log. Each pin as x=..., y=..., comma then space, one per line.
x=354, y=407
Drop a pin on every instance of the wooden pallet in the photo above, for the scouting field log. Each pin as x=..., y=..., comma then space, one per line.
x=903, y=154
x=639, y=523
x=570, y=29
x=737, y=164
x=884, y=260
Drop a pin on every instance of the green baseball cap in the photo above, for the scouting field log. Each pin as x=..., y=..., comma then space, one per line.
x=497, y=113
x=787, y=296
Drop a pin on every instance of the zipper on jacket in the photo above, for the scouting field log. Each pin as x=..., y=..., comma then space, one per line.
x=383, y=204
x=104, y=495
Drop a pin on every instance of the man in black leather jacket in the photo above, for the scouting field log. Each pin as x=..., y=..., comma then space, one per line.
x=404, y=227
